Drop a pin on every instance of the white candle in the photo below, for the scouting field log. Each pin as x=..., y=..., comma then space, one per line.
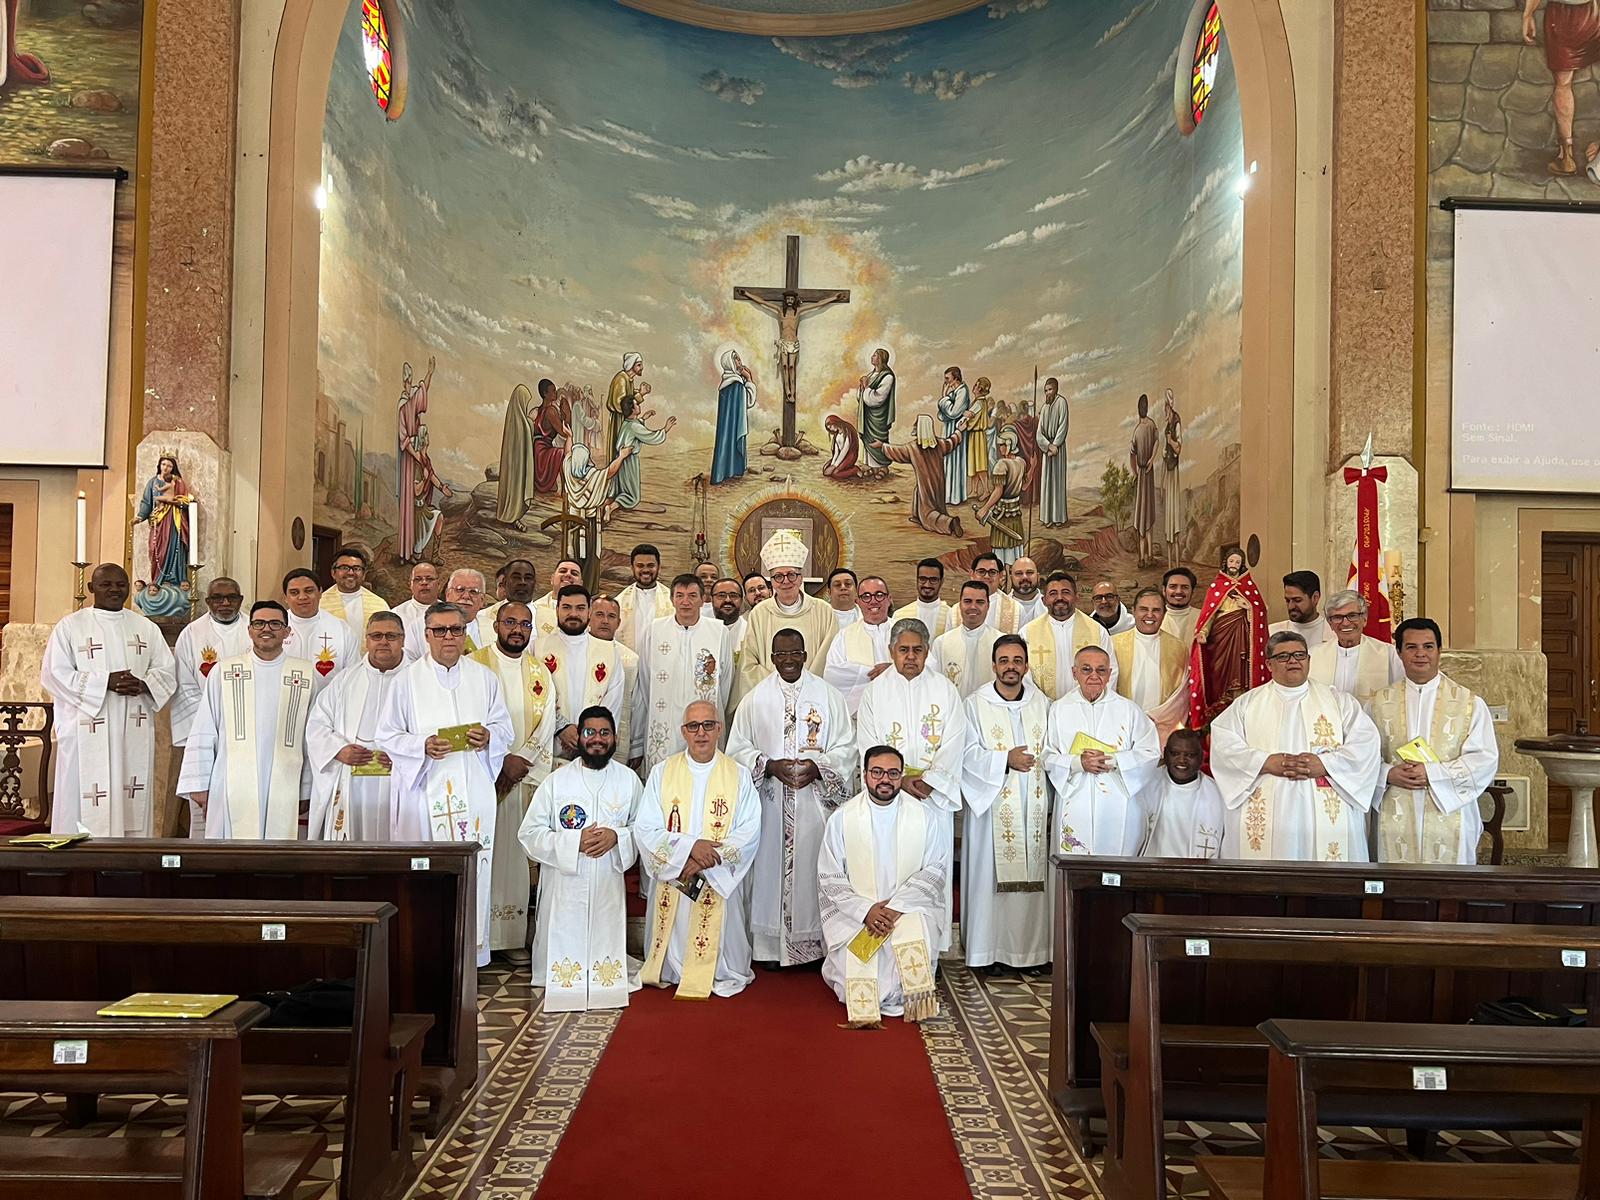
x=194, y=533
x=83, y=529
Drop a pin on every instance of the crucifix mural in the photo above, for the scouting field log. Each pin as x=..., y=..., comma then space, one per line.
x=787, y=304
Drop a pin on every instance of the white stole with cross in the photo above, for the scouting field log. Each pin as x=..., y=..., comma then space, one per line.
x=240, y=743
x=1021, y=804
x=1322, y=723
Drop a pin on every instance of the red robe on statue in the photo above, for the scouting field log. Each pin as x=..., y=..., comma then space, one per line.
x=1028, y=442
x=1232, y=657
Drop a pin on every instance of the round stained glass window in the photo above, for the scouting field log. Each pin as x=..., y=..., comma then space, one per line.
x=1199, y=56
x=383, y=54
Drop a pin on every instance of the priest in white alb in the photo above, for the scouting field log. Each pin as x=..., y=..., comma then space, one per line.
x=245, y=767
x=1055, y=638
x=884, y=873
x=1005, y=841
x=446, y=729
x=1297, y=764
x=784, y=556
x=1153, y=665
x=685, y=657
x=1350, y=661
x=467, y=589
x=585, y=670
x=1438, y=755
x=964, y=654
x=1183, y=808
x=319, y=637
x=350, y=796
x=426, y=584
x=605, y=618
x=697, y=828
x=928, y=607
x=1101, y=752
x=579, y=829
x=860, y=650
x=530, y=699
x=1005, y=614
x=350, y=599
x=644, y=601
x=918, y=712
x=219, y=632
x=568, y=572
x=109, y=672
x=794, y=735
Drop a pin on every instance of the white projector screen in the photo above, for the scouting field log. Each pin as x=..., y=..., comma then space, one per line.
x=1527, y=351
x=55, y=318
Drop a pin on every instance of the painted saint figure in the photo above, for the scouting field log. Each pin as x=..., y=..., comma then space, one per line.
x=413, y=403
x=736, y=395
x=551, y=432
x=845, y=448
x=1053, y=457
x=17, y=66
x=635, y=433
x=981, y=433
x=1171, y=489
x=1142, y=462
x=926, y=454
x=625, y=385
x=955, y=403
x=516, y=459
x=1002, y=511
x=876, y=396
x=165, y=504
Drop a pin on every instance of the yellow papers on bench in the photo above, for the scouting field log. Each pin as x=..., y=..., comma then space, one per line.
x=376, y=765
x=1416, y=750
x=456, y=735
x=865, y=944
x=1083, y=742
x=48, y=841
x=190, y=1006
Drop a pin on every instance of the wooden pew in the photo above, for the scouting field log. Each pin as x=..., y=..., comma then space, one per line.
x=431, y=948
x=1306, y=1058
x=1137, y=1098
x=1093, y=895
x=213, y=1158
x=68, y=948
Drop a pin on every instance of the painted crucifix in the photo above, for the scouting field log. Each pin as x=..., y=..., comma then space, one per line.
x=787, y=304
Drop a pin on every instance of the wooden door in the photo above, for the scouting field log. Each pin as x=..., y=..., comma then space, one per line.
x=1570, y=609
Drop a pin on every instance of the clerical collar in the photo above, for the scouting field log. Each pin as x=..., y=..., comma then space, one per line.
x=681, y=625
x=1343, y=649
x=573, y=639
x=1149, y=637
x=110, y=612
x=971, y=633
x=1424, y=688
x=786, y=610
x=447, y=673
x=1018, y=699
x=1068, y=621
x=1096, y=700
x=356, y=592
x=503, y=654
x=372, y=666
x=268, y=662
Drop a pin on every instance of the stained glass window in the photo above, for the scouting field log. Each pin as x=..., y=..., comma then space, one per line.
x=1198, y=59
x=383, y=54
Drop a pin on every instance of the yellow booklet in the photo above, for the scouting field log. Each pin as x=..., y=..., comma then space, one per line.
x=374, y=766
x=191, y=1006
x=865, y=944
x=1416, y=750
x=1083, y=742
x=48, y=841
x=456, y=735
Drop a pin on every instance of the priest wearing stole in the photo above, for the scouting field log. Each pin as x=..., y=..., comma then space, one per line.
x=1152, y=665
x=928, y=607
x=321, y=638
x=644, y=601
x=697, y=828
x=568, y=572
x=350, y=797
x=1185, y=812
x=1055, y=638
x=446, y=729
x=349, y=600
x=783, y=556
x=1101, y=752
x=605, y=618
x=215, y=634
x=918, y=712
x=579, y=829
x=530, y=699
x=245, y=766
x=586, y=671
x=1297, y=764
x=794, y=735
x=685, y=657
x=109, y=672
x=884, y=874
x=964, y=655
x=1439, y=754
x=860, y=650
x=1005, y=843
x=1005, y=614
x=1350, y=661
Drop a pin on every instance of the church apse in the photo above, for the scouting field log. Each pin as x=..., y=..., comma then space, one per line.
x=611, y=279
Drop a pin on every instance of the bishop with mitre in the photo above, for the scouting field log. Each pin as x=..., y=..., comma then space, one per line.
x=783, y=557
x=350, y=800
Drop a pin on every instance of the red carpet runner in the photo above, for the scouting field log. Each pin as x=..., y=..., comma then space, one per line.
x=758, y=1096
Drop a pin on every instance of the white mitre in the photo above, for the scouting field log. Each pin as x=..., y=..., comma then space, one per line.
x=783, y=549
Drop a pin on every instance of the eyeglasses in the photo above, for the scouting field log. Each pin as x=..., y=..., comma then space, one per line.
x=274, y=626
x=386, y=637
x=1092, y=672
x=787, y=654
x=1294, y=656
x=341, y=568
x=1345, y=618
x=871, y=597
x=457, y=590
x=892, y=774
x=593, y=731
x=786, y=577
x=701, y=726
x=525, y=626
x=447, y=630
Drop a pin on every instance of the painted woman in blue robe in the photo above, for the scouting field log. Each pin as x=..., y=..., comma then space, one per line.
x=735, y=398
x=164, y=506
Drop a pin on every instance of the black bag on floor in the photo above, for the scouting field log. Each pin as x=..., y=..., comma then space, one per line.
x=319, y=1004
x=1521, y=1010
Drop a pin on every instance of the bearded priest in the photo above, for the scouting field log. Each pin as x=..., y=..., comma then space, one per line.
x=1297, y=764
x=1056, y=637
x=784, y=559
x=697, y=829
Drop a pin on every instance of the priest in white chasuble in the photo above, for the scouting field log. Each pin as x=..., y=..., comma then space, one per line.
x=784, y=557
x=1056, y=637
x=963, y=655
x=884, y=873
x=1350, y=661
x=350, y=599
x=109, y=672
x=840, y=589
x=1005, y=842
x=447, y=730
x=350, y=796
x=1183, y=808
x=518, y=580
x=928, y=607
x=320, y=638
x=918, y=712
x=605, y=618
x=860, y=650
x=1025, y=589
x=1005, y=614
x=1101, y=751
x=218, y=633
x=685, y=657
x=530, y=699
x=794, y=735
x=1297, y=764
x=697, y=828
x=426, y=586
x=645, y=600
x=467, y=589
x=579, y=829
x=568, y=572
x=585, y=669
x=1177, y=589
x=1152, y=665
x=246, y=767
x=1438, y=755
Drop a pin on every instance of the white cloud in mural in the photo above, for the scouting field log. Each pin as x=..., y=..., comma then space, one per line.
x=539, y=283
x=938, y=178
x=1213, y=184
x=946, y=85
x=1081, y=360
x=732, y=88
x=966, y=268
x=506, y=120
x=1098, y=388
x=1059, y=198
x=857, y=61
x=1134, y=13
x=864, y=173
x=999, y=10
x=1018, y=238
x=1098, y=169
x=582, y=133
x=669, y=208
x=1001, y=342
x=1054, y=323
x=1041, y=232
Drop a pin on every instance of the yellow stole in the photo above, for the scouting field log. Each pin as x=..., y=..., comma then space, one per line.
x=1040, y=635
x=1173, y=659
x=705, y=923
x=909, y=941
x=527, y=702
x=1447, y=732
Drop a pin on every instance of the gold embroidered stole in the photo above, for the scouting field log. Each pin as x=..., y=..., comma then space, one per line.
x=1173, y=658
x=528, y=691
x=1372, y=666
x=705, y=923
x=909, y=941
x=1051, y=678
x=1323, y=728
x=1019, y=827
x=1447, y=733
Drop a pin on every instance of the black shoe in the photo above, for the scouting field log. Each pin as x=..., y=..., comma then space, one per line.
x=995, y=971
x=1035, y=972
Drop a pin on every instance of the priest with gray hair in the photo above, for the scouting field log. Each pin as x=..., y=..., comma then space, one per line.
x=1351, y=661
